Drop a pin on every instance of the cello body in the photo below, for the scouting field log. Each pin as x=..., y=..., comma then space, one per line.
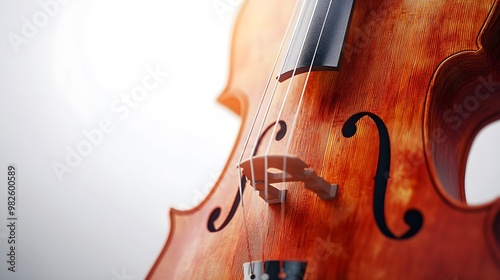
x=392, y=127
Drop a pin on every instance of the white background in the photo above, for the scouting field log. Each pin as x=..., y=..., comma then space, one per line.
x=107, y=219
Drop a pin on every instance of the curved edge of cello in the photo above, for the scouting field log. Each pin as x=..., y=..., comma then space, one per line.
x=458, y=79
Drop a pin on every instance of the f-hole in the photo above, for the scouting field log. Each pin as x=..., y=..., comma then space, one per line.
x=243, y=180
x=413, y=218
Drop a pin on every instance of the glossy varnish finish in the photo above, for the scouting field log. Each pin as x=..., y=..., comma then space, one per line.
x=403, y=61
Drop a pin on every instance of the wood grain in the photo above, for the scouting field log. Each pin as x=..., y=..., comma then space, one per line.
x=408, y=62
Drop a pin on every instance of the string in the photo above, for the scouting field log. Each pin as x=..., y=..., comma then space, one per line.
x=285, y=98
x=294, y=124
x=289, y=141
x=292, y=132
x=279, y=114
x=240, y=187
x=272, y=97
x=266, y=162
x=261, y=127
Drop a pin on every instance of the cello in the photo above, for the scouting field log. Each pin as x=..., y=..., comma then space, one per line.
x=357, y=119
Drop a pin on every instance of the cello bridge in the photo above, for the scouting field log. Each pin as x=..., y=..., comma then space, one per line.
x=262, y=169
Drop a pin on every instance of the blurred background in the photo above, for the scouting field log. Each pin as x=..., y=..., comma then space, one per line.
x=68, y=66
x=108, y=110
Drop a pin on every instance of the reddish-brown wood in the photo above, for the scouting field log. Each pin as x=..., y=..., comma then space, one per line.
x=409, y=62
